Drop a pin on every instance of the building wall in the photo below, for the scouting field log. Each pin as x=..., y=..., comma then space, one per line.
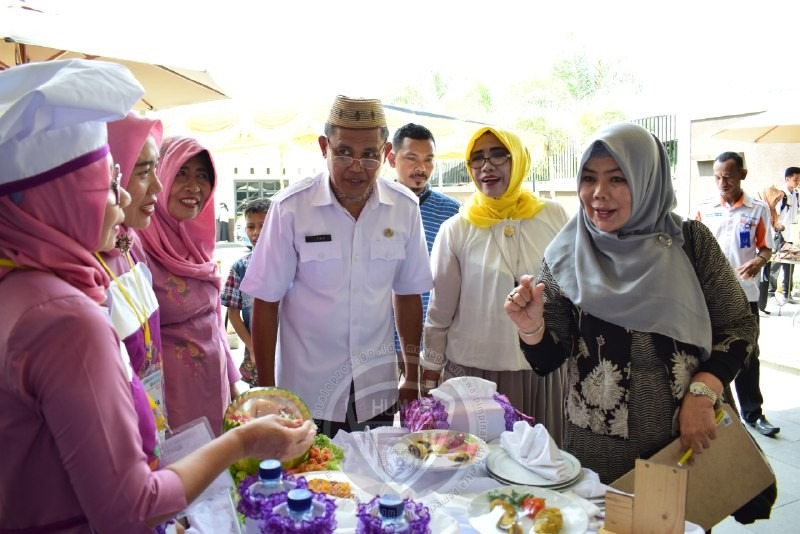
x=765, y=162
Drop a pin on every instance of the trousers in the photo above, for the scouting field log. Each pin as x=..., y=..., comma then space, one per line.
x=788, y=271
x=748, y=389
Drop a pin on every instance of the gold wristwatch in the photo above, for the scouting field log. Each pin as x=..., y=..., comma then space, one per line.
x=700, y=389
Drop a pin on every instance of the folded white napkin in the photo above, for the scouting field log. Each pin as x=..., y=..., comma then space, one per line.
x=590, y=486
x=535, y=450
x=465, y=387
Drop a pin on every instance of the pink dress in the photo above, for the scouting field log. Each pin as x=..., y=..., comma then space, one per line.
x=197, y=362
x=198, y=367
x=69, y=439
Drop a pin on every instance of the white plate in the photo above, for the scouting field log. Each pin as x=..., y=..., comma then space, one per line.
x=501, y=465
x=559, y=487
x=441, y=459
x=576, y=521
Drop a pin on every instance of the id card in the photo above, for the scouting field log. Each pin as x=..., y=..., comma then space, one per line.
x=744, y=239
x=154, y=386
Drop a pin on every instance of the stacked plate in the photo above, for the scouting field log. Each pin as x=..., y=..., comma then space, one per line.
x=503, y=468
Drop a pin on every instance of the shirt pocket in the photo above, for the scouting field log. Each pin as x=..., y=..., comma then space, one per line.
x=384, y=258
x=321, y=265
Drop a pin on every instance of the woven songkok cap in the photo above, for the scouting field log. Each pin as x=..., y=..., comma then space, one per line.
x=53, y=117
x=358, y=113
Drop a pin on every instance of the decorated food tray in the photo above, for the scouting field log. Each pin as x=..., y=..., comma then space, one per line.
x=258, y=402
x=441, y=449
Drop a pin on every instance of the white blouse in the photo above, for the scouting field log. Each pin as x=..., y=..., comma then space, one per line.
x=474, y=270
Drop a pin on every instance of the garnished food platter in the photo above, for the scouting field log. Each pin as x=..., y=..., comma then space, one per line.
x=517, y=509
x=442, y=450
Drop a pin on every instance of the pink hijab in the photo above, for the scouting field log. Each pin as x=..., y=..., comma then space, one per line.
x=126, y=138
x=38, y=231
x=184, y=248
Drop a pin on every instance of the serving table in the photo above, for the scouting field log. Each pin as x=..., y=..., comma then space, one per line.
x=372, y=463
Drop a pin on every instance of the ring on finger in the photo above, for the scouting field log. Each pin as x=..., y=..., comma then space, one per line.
x=511, y=295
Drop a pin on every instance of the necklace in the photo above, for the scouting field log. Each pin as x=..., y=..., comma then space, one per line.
x=509, y=231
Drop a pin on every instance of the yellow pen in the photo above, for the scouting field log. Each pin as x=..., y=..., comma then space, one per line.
x=689, y=451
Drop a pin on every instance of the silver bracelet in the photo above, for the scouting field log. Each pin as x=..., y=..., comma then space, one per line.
x=534, y=333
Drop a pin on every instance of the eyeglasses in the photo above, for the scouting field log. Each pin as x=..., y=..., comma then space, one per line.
x=476, y=162
x=366, y=163
x=115, y=183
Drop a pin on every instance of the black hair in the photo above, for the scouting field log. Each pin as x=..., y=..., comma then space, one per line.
x=412, y=131
x=257, y=205
x=205, y=157
x=330, y=129
x=791, y=171
x=725, y=156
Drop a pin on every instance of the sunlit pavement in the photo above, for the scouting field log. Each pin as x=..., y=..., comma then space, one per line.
x=780, y=385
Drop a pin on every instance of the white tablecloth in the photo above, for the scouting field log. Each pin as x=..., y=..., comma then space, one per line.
x=372, y=465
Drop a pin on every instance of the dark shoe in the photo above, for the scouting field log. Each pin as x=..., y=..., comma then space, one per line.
x=765, y=427
x=790, y=300
x=765, y=312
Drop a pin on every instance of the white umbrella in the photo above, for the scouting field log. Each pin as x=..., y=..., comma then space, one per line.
x=165, y=87
x=170, y=64
x=766, y=127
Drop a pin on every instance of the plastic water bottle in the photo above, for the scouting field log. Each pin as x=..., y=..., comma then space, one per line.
x=299, y=506
x=270, y=480
x=301, y=512
x=392, y=511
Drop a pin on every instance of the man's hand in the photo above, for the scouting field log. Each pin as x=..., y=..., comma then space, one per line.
x=409, y=391
x=751, y=268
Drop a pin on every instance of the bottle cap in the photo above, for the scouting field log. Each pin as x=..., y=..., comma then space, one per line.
x=269, y=470
x=391, y=505
x=299, y=500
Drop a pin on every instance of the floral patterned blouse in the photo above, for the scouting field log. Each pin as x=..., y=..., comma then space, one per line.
x=625, y=387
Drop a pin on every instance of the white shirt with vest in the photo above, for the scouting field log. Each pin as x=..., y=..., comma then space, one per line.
x=740, y=230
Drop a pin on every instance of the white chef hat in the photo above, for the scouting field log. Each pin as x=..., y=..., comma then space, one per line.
x=53, y=117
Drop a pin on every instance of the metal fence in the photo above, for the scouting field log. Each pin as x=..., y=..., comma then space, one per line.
x=564, y=163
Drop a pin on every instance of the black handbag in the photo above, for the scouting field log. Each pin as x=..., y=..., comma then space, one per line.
x=778, y=241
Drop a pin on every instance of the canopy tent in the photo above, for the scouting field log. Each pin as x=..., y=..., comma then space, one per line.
x=165, y=87
x=772, y=126
x=168, y=66
x=225, y=127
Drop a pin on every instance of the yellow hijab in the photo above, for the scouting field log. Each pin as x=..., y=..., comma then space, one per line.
x=515, y=203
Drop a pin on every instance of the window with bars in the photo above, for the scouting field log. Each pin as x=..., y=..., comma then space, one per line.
x=246, y=190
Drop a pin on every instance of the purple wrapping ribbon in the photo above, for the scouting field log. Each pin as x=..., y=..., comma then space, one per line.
x=252, y=506
x=428, y=413
x=369, y=520
x=512, y=415
x=279, y=524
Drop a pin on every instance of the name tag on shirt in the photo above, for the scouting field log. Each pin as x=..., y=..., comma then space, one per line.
x=744, y=239
x=318, y=238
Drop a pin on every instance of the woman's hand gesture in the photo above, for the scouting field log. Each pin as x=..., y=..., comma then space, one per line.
x=525, y=306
